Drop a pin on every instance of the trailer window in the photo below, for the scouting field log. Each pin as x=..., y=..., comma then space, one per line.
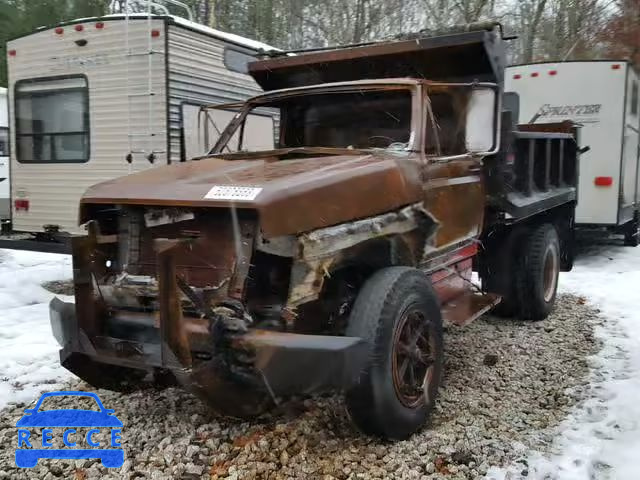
x=52, y=120
x=634, y=98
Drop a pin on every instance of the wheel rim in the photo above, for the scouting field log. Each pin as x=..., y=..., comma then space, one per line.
x=550, y=274
x=413, y=358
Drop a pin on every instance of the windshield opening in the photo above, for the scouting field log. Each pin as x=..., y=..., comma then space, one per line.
x=363, y=119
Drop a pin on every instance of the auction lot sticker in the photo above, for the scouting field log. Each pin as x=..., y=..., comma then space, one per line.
x=69, y=433
x=233, y=192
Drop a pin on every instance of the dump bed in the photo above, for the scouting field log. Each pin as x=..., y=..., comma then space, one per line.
x=474, y=54
x=535, y=170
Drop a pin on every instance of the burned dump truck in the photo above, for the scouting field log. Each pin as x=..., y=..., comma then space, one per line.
x=330, y=258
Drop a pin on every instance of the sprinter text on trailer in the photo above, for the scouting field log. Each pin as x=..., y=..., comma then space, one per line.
x=602, y=96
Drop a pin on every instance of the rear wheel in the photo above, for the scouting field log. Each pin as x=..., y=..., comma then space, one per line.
x=499, y=269
x=397, y=313
x=537, y=271
x=631, y=234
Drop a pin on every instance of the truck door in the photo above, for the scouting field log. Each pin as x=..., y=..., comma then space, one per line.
x=453, y=186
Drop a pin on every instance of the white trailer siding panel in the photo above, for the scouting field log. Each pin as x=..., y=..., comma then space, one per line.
x=5, y=209
x=590, y=93
x=630, y=149
x=118, y=85
x=198, y=75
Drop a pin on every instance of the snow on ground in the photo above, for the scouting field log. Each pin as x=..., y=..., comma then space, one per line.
x=601, y=438
x=29, y=362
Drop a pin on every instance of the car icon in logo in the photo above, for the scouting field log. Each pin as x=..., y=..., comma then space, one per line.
x=69, y=420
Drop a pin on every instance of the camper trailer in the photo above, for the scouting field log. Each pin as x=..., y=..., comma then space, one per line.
x=5, y=209
x=95, y=99
x=601, y=96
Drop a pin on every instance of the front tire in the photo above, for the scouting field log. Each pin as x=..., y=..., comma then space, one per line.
x=398, y=315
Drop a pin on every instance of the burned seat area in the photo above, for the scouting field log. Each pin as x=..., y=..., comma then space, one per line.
x=353, y=119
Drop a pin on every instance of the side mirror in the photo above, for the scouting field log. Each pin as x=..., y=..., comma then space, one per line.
x=481, y=125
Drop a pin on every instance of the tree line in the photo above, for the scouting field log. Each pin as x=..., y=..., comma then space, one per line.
x=546, y=29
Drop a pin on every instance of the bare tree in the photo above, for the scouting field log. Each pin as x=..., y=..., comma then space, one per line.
x=439, y=14
x=621, y=34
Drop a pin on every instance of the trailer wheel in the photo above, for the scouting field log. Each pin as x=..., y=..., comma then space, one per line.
x=397, y=313
x=536, y=278
x=631, y=234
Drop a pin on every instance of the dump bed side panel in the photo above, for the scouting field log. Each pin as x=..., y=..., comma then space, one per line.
x=589, y=93
x=114, y=81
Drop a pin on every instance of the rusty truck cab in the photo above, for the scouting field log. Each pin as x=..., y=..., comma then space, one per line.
x=255, y=272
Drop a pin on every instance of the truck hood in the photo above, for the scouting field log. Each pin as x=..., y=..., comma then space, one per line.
x=292, y=196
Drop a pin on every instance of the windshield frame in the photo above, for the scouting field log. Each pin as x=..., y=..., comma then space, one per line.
x=413, y=87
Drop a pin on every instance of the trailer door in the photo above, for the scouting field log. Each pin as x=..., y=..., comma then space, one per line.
x=5, y=210
x=629, y=184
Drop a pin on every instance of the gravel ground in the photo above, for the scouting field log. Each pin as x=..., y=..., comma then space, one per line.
x=508, y=384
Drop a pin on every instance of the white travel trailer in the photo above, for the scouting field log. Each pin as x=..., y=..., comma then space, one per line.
x=5, y=209
x=98, y=98
x=602, y=96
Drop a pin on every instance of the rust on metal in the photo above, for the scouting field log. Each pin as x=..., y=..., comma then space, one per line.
x=172, y=329
x=236, y=272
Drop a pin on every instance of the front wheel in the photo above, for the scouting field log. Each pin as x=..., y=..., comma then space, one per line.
x=398, y=315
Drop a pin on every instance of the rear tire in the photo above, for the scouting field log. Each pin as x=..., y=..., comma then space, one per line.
x=537, y=271
x=499, y=269
x=631, y=234
x=398, y=315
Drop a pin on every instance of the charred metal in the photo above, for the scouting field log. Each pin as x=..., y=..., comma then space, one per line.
x=239, y=274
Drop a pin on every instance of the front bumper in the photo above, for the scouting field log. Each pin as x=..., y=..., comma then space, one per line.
x=282, y=363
